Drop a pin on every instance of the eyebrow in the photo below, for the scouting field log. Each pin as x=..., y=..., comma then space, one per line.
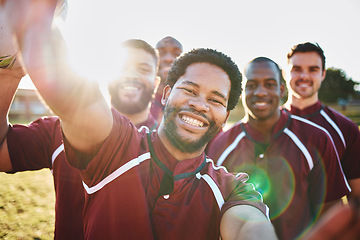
x=217, y=93
x=313, y=67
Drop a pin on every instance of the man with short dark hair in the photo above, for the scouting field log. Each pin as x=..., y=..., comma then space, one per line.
x=277, y=150
x=40, y=144
x=304, y=75
x=141, y=184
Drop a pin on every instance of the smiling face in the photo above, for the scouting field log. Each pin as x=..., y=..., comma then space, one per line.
x=195, y=108
x=305, y=75
x=132, y=92
x=169, y=49
x=262, y=91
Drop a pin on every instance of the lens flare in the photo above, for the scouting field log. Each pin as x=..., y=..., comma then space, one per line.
x=275, y=181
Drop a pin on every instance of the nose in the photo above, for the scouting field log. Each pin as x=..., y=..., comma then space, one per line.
x=199, y=104
x=167, y=57
x=130, y=74
x=304, y=75
x=260, y=91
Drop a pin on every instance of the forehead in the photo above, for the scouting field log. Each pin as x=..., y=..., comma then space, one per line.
x=207, y=77
x=168, y=43
x=305, y=59
x=262, y=70
x=138, y=56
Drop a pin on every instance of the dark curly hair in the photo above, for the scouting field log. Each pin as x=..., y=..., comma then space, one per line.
x=219, y=59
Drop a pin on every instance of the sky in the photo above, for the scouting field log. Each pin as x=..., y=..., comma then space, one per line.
x=241, y=29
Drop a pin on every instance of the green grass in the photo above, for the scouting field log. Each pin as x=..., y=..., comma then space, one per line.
x=27, y=205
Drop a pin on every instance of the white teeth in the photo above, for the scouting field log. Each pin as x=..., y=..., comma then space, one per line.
x=130, y=88
x=192, y=121
x=261, y=104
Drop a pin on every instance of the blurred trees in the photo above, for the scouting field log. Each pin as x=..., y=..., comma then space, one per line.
x=337, y=87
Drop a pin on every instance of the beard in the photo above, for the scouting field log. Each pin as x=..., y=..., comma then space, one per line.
x=131, y=107
x=182, y=143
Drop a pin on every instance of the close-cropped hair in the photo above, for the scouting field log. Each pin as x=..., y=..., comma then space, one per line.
x=168, y=39
x=219, y=59
x=141, y=44
x=265, y=59
x=308, y=47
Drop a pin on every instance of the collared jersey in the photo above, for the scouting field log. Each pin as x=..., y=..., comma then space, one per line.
x=291, y=171
x=137, y=190
x=345, y=133
x=157, y=109
x=40, y=145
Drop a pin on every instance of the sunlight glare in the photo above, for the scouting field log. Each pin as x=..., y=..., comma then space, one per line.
x=92, y=40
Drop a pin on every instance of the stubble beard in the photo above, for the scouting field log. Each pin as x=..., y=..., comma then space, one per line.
x=132, y=107
x=184, y=144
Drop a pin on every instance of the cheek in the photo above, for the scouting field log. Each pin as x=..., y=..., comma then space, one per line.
x=220, y=115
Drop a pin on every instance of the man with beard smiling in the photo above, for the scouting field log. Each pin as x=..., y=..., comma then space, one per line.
x=131, y=94
x=284, y=163
x=139, y=184
x=40, y=144
x=304, y=75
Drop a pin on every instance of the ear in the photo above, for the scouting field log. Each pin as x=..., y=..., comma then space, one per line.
x=284, y=74
x=166, y=93
x=227, y=117
x=323, y=75
x=282, y=90
x=156, y=83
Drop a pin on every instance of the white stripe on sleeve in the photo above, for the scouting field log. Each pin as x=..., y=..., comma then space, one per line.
x=301, y=146
x=118, y=172
x=230, y=148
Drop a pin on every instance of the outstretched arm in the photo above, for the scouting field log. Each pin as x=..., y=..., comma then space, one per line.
x=245, y=222
x=340, y=222
x=11, y=73
x=86, y=117
x=9, y=81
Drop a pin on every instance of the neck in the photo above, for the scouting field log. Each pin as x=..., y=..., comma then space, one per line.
x=139, y=117
x=299, y=102
x=177, y=153
x=264, y=126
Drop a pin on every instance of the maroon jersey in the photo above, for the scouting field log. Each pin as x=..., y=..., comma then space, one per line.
x=291, y=171
x=344, y=132
x=40, y=145
x=137, y=190
x=157, y=109
x=150, y=123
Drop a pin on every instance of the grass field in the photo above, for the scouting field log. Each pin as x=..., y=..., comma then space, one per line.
x=27, y=205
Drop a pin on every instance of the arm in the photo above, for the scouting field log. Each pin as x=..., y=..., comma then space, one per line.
x=245, y=222
x=85, y=115
x=9, y=81
x=340, y=222
x=355, y=187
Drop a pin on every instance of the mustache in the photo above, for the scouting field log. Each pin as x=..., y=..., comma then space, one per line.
x=117, y=84
x=193, y=111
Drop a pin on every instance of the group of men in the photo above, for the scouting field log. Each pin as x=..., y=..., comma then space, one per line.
x=137, y=171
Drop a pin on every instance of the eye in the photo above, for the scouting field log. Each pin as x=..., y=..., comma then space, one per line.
x=144, y=70
x=270, y=85
x=216, y=101
x=188, y=90
x=250, y=85
x=314, y=70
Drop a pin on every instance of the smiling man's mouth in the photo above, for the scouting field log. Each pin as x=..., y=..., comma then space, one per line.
x=192, y=121
x=131, y=88
x=260, y=104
